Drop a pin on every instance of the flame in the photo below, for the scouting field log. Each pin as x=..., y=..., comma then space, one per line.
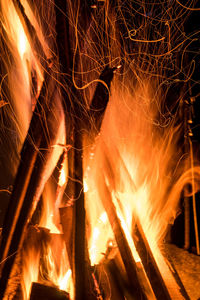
x=57, y=267
x=132, y=156
x=135, y=154
x=96, y=247
x=19, y=69
x=62, y=178
x=15, y=30
x=30, y=271
x=30, y=262
x=24, y=65
x=49, y=218
x=23, y=43
x=64, y=282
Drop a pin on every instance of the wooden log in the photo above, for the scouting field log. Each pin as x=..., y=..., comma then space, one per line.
x=107, y=277
x=134, y=269
x=149, y=263
x=84, y=283
x=28, y=157
x=31, y=34
x=66, y=219
x=44, y=292
x=101, y=97
x=141, y=242
x=111, y=275
x=177, y=278
x=137, y=282
x=27, y=198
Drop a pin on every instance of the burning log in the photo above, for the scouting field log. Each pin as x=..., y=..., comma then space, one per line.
x=40, y=291
x=32, y=36
x=138, y=282
x=31, y=145
x=76, y=243
x=110, y=285
x=73, y=223
x=66, y=219
x=30, y=179
x=142, y=245
x=101, y=96
x=28, y=157
x=81, y=269
x=149, y=263
x=62, y=38
x=111, y=275
x=84, y=283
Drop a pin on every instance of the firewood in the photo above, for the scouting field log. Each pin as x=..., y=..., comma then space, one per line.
x=134, y=269
x=66, y=219
x=187, y=208
x=101, y=97
x=77, y=244
x=31, y=177
x=84, y=283
x=110, y=285
x=143, y=250
x=28, y=157
x=137, y=282
x=111, y=275
x=40, y=291
x=32, y=35
x=149, y=263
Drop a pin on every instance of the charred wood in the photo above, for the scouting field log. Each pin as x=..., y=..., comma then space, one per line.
x=62, y=38
x=109, y=282
x=149, y=263
x=101, y=97
x=136, y=282
x=40, y=291
x=81, y=269
x=135, y=271
x=111, y=276
x=32, y=36
x=31, y=177
x=28, y=157
x=66, y=219
x=84, y=283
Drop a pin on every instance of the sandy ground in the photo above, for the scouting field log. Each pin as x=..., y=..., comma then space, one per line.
x=188, y=268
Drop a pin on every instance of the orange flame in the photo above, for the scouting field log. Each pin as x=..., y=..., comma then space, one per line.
x=139, y=171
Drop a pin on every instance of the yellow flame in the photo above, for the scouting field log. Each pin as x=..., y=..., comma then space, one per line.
x=62, y=178
x=57, y=269
x=138, y=170
x=50, y=217
x=85, y=186
x=20, y=67
x=23, y=43
x=65, y=282
x=98, y=243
